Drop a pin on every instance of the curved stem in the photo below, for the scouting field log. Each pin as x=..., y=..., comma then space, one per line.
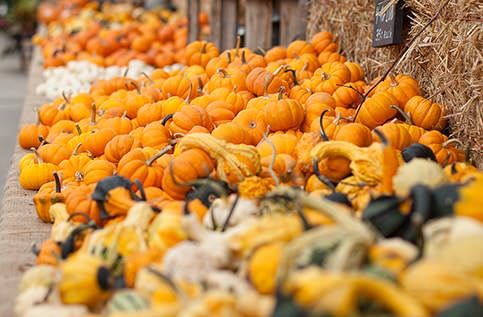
x=350, y=87
x=324, y=180
x=324, y=135
x=230, y=213
x=167, y=118
x=281, y=92
x=37, y=156
x=265, y=85
x=382, y=137
x=66, y=99
x=125, y=72
x=148, y=77
x=450, y=141
x=294, y=74
x=228, y=54
x=165, y=150
x=243, y=58
x=272, y=162
x=58, y=183
x=222, y=72
x=404, y=114
x=190, y=90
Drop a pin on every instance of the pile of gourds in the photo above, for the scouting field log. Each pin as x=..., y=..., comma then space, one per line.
x=274, y=183
x=115, y=34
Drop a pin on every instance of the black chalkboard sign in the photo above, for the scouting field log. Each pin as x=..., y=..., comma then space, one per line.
x=388, y=23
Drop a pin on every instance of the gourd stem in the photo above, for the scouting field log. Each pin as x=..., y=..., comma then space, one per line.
x=279, y=69
x=272, y=162
x=228, y=54
x=235, y=88
x=79, y=177
x=324, y=135
x=401, y=54
x=325, y=76
x=166, y=119
x=125, y=72
x=406, y=116
x=124, y=114
x=324, y=180
x=79, y=213
x=165, y=150
x=294, y=74
x=37, y=156
x=304, y=68
x=262, y=50
x=168, y=280
x=200, y=86
x=394, y=82
x=42, y=140
x=148, y=77
x=382, y=137
x=230, y=213
x=450, y=141
x=62, y=106
x=58, y=183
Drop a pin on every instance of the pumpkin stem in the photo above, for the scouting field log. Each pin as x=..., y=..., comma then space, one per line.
x=222, y=72
x=203, y=48
x=294, y=74
x=404, y=114
x=166, y=119
x=58, y=183
x=235, y=88
x=78, y=129
x=281, y=92
x=279, y=69
x=237, y=46
x=93, y=114
x=76, y=149
x=200, y=86
x=243, y=58
x=272, y=162
x=325, y=76
x=165, y=150
x=168, y=281
x=79, y=177
x=230, y=213
x=382, y=137
x=261, y=50
x=228, y=56
x=453, y=168
x=66, y=99
x=125, y=72
x=37, y=156
x=62, y=106
x=42, y=140
x=323, y=179
x=304, y=68
x=451, y=141
x=35, y=249
x=136, y=86
x=79, y=214
x=265, y=85
x=324, y=135
x=190, y=90
x=394, y=82
x=351, y=87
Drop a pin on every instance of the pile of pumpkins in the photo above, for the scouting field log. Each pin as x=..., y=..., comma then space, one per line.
x=275, y=183
x=115, y=34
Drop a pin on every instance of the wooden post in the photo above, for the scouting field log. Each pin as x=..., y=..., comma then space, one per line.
x=224, y=23
x=293, y=20
x=258, y=24
x=194, y=20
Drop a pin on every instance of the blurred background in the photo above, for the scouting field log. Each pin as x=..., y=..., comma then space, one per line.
x=17, y=25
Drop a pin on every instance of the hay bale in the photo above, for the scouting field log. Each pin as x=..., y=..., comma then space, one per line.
x=446, y=59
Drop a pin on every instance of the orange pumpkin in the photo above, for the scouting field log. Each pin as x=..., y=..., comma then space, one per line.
x=377, y=109
x=119, y=146
x=232, y=132
x=329, y=76
x=283, y=114
x=253, y=122
x=402, y=87
x=200, y=53
x=188, y=117
x=442, y=147
x=425, y=113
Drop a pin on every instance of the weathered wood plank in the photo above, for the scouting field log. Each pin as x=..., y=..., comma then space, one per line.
x=194, y=18
x=293, y=20
x=258, y=23
x=229, y=23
